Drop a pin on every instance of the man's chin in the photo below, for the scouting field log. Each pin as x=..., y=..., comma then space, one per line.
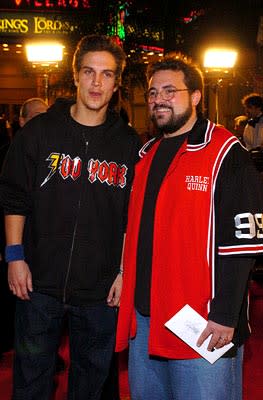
x=167, y=129
x=162, y=125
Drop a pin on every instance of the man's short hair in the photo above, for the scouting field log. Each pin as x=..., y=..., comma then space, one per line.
x=99, y=43
x=193, y=77
x=253, y=99
x=24, y=109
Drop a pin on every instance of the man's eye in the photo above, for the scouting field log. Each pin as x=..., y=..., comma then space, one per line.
x=88, y=71
x=109, y=74
x=170, y=91
x=152, y=93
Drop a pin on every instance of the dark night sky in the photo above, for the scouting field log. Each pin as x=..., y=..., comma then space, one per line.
x=226, y=22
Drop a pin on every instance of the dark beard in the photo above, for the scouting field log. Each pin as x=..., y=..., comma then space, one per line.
x=174, y=124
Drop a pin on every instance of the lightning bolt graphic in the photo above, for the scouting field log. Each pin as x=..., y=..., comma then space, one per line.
x=54, y=159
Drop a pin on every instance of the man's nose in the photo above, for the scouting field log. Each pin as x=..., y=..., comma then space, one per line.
x=158, y=97
x=97, y=79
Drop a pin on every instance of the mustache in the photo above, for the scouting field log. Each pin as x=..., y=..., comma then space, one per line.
x=161, y=105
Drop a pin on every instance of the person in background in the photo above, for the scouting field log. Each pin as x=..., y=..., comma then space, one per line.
x=65, y=190
x=194, y=228
x=253, y=132
x=30, y=108
x=239, y=125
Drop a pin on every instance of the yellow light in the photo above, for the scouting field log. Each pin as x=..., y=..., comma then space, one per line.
x=44, y=52
x=220, y=58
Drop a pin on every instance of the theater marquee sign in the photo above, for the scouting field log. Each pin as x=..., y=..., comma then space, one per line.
x=37, y=24
x=37, y=17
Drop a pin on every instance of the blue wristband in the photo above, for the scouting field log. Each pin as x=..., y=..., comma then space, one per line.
x=14, y=252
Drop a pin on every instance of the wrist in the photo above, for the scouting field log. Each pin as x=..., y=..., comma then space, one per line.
x=14, y=252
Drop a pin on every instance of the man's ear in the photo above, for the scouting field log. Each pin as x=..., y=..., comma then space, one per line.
x=196, y=97
x=21, y=121
x=76, y=80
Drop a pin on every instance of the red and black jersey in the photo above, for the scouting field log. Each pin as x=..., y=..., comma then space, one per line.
x=209, y=208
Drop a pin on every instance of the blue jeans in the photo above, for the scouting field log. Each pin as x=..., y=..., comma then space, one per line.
x=153, y=378
x=38, y=326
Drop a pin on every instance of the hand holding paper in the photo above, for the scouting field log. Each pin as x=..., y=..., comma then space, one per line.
x=220, y=335
x=188, y=325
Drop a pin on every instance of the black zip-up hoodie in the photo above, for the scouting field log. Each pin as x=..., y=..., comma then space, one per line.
x=72, y=183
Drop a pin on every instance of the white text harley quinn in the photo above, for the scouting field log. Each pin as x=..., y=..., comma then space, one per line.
x=197, y=182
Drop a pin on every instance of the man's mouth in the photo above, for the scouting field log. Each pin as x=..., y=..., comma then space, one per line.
x=161, y=109
x=95, y=95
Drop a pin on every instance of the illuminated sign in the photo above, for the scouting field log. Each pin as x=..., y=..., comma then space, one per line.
x=151, y=48
x=46, y=4
x=37, y=24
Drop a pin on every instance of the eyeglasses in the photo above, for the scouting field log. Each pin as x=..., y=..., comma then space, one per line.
x=167, y=93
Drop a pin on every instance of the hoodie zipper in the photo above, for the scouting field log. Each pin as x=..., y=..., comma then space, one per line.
x=74, y=236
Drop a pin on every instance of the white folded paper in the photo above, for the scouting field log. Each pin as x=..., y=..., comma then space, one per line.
x=188, y=325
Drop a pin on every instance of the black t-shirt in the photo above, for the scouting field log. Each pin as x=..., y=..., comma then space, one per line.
x=159, y=167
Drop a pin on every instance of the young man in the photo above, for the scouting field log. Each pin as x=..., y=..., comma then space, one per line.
x=253, y=132
x=195, y=221
x=65, y=190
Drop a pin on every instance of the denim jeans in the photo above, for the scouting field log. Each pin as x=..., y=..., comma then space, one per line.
x=38, y=326
x=153, y=378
